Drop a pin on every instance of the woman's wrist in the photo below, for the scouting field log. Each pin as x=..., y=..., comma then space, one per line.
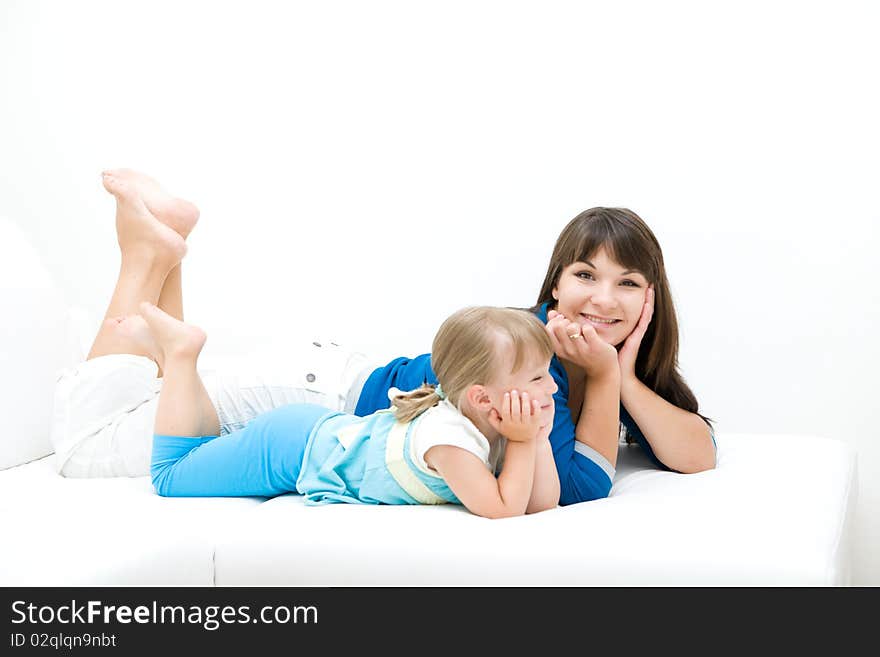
x=610, y=376
x=629, y=386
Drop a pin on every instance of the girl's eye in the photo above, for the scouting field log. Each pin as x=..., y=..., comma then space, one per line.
x=537, y=378
x=630, y=283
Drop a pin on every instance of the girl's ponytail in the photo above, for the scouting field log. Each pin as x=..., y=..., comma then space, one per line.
x=409, y=405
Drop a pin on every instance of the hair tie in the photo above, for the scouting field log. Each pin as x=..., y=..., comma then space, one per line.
x=439, y=392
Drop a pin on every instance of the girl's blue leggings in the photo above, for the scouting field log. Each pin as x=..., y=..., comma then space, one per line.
x=264, y=458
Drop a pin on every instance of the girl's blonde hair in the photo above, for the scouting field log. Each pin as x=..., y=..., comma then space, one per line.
x=468, y=350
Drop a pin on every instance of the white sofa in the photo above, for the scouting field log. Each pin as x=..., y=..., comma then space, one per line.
x=777, y=510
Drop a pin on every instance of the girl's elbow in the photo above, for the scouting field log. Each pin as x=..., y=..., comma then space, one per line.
x=501, y=511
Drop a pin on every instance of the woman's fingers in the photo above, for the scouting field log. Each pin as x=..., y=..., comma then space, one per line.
x=590, y=335
x=648, y=312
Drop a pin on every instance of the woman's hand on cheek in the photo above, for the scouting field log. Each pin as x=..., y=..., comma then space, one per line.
x=581, y=345
x=519, y=419
x=630, y=349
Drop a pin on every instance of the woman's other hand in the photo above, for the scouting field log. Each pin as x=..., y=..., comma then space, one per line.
x=626, y=357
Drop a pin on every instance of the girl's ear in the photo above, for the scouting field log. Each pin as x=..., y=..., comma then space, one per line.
x=478, y=397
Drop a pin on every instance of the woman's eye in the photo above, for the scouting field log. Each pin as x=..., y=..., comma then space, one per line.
x=585, y=275
x=630, y=283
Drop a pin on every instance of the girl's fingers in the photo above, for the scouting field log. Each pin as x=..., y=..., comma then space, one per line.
x=505, y=407
x=515, y=410
x=526, y=405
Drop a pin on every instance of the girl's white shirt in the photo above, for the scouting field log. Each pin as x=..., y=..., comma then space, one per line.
x=444, y=424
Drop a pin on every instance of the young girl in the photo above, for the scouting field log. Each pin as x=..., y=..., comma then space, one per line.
x=605, y=301
x=435, y=445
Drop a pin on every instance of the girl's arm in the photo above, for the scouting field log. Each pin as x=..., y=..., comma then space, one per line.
x=545, y=485
x=681, y=440
x=477, y=487
x=471, y=481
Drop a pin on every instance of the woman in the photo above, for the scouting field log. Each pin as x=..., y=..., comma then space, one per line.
x=605, y=264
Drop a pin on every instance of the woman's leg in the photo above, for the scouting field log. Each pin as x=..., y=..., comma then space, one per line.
x=178, y=214
x=149, y=250
x=151, y=227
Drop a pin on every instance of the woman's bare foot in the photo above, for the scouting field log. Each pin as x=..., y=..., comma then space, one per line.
x=138, y=231
x=175, y=339
x=178, y=214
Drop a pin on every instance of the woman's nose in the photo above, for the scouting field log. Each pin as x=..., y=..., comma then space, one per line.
x=604, y=297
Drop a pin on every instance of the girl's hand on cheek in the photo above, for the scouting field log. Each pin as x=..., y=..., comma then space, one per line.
x=626, y=357
x=581, y=345
x=519, y=419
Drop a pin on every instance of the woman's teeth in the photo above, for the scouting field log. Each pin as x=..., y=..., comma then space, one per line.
x=597, y=320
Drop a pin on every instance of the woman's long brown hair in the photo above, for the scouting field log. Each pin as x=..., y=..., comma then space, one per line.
x=628, y=240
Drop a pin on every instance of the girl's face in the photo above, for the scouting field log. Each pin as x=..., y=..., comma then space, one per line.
x=603, y=294
x=532, y=377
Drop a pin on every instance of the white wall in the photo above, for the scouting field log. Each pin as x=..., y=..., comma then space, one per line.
x=351, y=157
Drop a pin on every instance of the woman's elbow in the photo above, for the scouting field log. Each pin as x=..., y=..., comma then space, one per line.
x=699, y=462
x=541, y=507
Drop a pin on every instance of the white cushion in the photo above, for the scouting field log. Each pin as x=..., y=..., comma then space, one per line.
x=37, y=343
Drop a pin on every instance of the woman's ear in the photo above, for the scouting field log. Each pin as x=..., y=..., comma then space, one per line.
x=555, y=294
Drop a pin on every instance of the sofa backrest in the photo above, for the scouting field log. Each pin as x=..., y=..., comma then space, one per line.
x=36, y=342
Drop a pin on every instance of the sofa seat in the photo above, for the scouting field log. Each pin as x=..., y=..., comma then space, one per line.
x=96, y=532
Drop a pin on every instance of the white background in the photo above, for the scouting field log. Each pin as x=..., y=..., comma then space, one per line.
x=365, y=168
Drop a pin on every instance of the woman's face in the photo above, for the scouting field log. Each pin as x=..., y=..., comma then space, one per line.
x=603, y=294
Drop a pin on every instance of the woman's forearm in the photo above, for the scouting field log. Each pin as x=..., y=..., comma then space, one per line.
x=680, y=439
x=599, y=423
